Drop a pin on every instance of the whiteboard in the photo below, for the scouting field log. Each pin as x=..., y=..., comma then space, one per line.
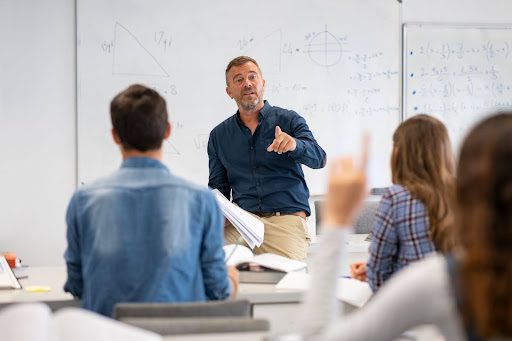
x=458, y=74
x=334, y=62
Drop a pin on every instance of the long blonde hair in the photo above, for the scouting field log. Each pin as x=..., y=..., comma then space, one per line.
x=422, y=162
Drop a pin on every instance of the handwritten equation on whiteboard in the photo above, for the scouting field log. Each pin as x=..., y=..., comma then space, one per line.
x=457, y=74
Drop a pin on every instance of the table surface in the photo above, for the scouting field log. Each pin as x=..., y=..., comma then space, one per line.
x=54, y=277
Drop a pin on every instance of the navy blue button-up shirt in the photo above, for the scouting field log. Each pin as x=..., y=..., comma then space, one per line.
x=263, y=181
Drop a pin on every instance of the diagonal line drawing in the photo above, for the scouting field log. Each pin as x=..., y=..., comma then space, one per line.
x=170, y=149
x=271, y=58
x=130, y=57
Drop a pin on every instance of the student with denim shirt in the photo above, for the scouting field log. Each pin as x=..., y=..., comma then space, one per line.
x=142, y=234
x=256, y=155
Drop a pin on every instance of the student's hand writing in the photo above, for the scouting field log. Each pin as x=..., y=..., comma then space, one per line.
x=346, y=189
x=358, y=271
x=282, y=143
x=234, y=278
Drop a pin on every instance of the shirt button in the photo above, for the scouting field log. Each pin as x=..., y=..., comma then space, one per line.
x=257, y=184
x=259, y=200
x=252, y=147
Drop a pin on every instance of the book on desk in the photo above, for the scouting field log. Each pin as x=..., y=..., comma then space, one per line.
x=263, y=268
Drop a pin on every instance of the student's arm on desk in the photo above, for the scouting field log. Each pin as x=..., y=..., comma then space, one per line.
x=215, y=275
x=358, y=271
x=234, y=278
x=74, y=282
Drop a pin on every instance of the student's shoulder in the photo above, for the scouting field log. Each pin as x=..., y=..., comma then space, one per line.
x=396, y=193
x=200, y=191
x=100, y=183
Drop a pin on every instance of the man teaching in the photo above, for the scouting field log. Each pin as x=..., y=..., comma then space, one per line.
x=255, y=156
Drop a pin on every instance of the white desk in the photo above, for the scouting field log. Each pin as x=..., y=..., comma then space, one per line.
x=50, y=276
x=279, y=306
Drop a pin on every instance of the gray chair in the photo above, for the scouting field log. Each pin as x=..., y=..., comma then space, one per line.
x=191, y=318
x=364, y=222
x=198, y=325
x=238, y=308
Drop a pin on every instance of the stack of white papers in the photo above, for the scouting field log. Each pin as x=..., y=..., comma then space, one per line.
x=251, y=229
x=348, y=290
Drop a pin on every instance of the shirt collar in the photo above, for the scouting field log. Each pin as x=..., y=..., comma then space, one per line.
x=142, y=162
x=263, y=112
x=266, y=108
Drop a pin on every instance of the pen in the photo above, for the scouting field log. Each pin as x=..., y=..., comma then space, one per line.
x=233, y=251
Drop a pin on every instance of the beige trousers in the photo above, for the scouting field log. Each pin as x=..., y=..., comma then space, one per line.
x=285, y=235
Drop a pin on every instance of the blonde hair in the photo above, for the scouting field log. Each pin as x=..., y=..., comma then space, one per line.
x=423, y=163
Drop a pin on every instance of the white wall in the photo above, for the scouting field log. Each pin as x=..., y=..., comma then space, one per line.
x=457, y=11
x=37, y=126
x=38, y=111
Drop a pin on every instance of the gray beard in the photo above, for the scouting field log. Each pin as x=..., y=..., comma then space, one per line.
x=250, y=106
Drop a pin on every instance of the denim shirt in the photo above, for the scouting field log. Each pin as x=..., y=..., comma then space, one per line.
x=144, y=235
x=263, y=181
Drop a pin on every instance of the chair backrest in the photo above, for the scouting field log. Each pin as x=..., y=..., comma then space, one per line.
x=198, y=325
x=237, y=308
x=363, y=223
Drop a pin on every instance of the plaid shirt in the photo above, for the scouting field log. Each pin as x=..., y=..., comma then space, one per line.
x=400, y=235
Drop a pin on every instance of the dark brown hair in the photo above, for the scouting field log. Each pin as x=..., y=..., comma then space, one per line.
x=139, y=117
x=238, y=61
x=422, y=162
x=483, y=226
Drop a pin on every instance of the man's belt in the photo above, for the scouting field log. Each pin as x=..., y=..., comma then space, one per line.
x=301, y=214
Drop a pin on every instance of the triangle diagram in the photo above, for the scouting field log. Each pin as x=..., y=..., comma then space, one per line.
x=267, y=52
x=131, y=57
x=170, y=149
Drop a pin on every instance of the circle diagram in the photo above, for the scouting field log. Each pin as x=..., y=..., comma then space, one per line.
x=325, y=49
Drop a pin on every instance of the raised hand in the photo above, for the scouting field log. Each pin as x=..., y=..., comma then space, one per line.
x=282, y=142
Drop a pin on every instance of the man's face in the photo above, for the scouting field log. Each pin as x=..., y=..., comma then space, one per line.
x=246, y=86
